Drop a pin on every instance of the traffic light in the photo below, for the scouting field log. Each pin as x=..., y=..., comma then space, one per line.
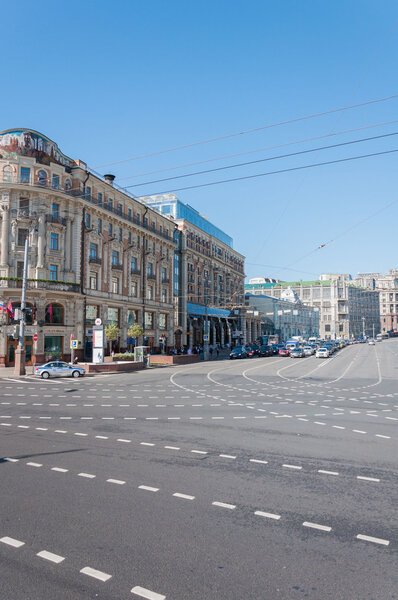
x=15, y=332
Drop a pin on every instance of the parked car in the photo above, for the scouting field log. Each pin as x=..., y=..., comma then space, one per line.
x=58, y=368
x=284, y=352
x=322, y=353
x=308, y=350
x=266, y=351
x=252, y=351
x=371, y=342
x=297, y=353
x=238, y=352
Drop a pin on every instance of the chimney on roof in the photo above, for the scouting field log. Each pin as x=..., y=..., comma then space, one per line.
x=109, y=178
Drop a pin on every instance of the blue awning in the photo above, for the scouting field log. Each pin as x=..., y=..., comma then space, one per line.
x=197, y=310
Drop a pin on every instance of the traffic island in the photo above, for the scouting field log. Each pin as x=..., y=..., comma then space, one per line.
x=175, y=359
x=123, y=366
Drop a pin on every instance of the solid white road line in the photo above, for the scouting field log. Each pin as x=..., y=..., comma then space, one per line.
x=12, y=542
x=261, y=513
x=96, y=574
x=368, y=538
x=317, y=526
x=184, y=496
x=223, y=505
x=148, y=594
x=55, y=558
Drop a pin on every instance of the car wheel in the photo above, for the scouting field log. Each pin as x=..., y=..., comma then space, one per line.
x=45, y=375
x=75, y=374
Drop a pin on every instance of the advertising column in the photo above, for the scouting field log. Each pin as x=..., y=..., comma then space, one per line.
x=98, y=342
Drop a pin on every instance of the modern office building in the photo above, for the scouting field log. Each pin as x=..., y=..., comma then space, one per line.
x=345, y=310
x=95, y=252
x=209, y=277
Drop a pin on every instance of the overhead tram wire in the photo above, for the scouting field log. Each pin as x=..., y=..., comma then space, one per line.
x=253, y=162
x=310, y=166
x=311, y=139
x=247, y=131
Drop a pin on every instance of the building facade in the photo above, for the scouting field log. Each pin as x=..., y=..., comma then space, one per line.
x=387, y=286
x=285, y=317
x=95, y=252
x=345, y=310
x=208, y=273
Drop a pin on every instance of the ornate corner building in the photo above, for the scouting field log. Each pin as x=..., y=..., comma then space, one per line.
x=94, y=252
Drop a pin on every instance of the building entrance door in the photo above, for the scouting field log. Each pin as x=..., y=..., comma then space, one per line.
x=12, y=345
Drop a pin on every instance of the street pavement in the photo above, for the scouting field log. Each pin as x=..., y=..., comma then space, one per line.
x=262, y=479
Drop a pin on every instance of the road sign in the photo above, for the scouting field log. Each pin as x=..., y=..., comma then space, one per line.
x=98, y=321
x=35, y=337
x=206, y=337
x=74, y=344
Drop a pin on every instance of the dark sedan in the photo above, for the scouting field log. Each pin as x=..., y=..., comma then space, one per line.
x=266, y=351
x=238, y=352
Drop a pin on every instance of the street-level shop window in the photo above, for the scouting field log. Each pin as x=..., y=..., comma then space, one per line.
x=22, y=235
x=53, y=272
x=132, y=317
x=54, y=313
x=25, y=175
x=54, y=241
x=92, y=313
x=113, y=316
x=162, y=321
x=148, y=320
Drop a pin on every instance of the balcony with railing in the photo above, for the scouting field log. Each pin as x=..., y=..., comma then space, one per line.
x=43, y=284
x=56, y=219
x=117, y=266
x=135, y=271
x=151, y=276
x=165, y=280
x=95, y=260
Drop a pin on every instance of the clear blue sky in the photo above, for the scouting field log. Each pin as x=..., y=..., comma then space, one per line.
x=113, y=80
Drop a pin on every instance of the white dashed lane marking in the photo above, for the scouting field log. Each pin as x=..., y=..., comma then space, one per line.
x=368, y=538
x=148, y=594
x=12, y=542
x=55, y=558
x=96, y=574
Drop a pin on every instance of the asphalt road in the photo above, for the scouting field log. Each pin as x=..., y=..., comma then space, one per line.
x=258, y=479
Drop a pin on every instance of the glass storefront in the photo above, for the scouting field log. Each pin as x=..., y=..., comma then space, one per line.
x=53, y=345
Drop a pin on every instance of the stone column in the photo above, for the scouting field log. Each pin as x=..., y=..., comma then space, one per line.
x=68, y=244
x=222, y=332
x=5, y=224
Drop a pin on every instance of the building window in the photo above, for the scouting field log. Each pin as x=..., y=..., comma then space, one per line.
x=87, y=220
x=7, y=174
x=54, y=241
x=133, y=263
x=119, y=209
x=164, y=273
x=110, y=230
x=327, y=327
x=67, y=185
x=55, y=210
x=24, y=206
x=162, y=321
x=110, y=203
x=149, y=292
x=134, y=289
x=129, y=214
x=53, y=272
x=25, y=175
x=88, y=193
x=132, y=317
x=22, y=235
x=55, y=182
x=92, y=313
x=54, y=314
x=93, y=281
x=120, y=234
x=113, y=316
x=99, y=199
x=149, y=269
x=129, y=237
x=93, y=250
x=115, y=257
x=148, y=320
x=20, y=269
x=115, y=285
x=164, y=295
x=99, y=225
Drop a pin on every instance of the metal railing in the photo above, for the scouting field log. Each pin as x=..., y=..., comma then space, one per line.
x=55, y=286
x=56, y=219
x=117, y=266
x=95, y=260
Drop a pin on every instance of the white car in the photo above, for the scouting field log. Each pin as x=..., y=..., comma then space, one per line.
x=58, y=368
x=308, y=350
x=322, y=353
x=371, y=342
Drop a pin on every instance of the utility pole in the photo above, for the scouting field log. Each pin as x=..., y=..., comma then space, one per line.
x=373, y=327
x=19, y=368
x=363, y=326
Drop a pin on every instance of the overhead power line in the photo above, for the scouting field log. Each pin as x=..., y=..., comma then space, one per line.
x=260, y=160
x=247, y=131
x=329, y=162
x=292, y=143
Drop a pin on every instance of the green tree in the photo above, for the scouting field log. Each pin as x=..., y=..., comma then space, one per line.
x=135, y=331
x=112, y=332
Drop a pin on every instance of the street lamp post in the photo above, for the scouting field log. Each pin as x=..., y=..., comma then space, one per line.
x=20, y=354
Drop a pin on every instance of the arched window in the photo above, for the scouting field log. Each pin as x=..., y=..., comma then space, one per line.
x=42, y=177
x=30, y=314
x=54, y=314
x=7, y=174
